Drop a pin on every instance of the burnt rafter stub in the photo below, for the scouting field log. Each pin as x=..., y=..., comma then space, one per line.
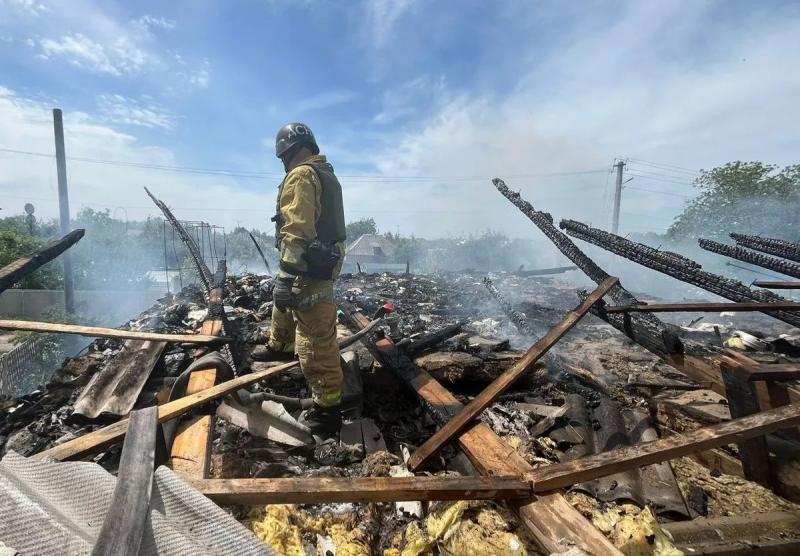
x=677, y=266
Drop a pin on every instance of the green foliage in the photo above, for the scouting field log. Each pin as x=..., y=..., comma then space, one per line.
x=744, y=197
x=15, y=244
x=243, y=255
x=358, y=228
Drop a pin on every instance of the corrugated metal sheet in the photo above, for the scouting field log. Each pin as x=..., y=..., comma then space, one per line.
x=607, y=427
x=116, y=387
x=58, y=508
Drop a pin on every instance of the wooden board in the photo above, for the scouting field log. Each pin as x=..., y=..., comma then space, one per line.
x=749, y=306
x=99, y=332
x=319, y=490
x=552, y=521
x=95, y=441
x=777, y=371
x=607, y=463
x=191, y=450
x=330, y=490
x=489, y=394
x=124, y=525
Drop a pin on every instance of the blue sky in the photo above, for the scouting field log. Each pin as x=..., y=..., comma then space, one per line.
x=416, y=103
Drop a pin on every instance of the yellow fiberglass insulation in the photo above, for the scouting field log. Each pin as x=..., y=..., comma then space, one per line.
x=464, y=528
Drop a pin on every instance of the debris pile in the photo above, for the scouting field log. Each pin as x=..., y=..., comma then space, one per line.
x=587, y=434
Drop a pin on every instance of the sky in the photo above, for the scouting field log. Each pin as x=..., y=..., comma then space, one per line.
x=417, y=104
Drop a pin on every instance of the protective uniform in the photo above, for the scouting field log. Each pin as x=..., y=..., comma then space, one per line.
x=309, y=207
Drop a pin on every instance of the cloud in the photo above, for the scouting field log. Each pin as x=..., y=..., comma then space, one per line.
x=147, y=22
x=28, y=7
x=380, y=18
x=117, y=58
x=639, y=87
x=28, y=126
x=120, y=109
x=326, y=99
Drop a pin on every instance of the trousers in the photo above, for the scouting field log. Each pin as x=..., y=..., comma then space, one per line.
x=311, y=329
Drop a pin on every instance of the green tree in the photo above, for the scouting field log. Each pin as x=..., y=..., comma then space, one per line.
x=15, y=244
x=744, y=197
x=358, y=228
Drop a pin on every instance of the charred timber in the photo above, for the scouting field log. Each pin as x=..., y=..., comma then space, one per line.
x=678, y=267
x=188, y=241
x=519, y=319
x=18, y=269
x=647, y=330
x=777, y=247
x=776, y=285
x=740, y=253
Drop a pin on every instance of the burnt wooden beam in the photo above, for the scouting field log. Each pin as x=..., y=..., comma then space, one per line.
x=554, y=523
x=502, y=383
x=95, y=441
x=742, y=401
x=774, y=285
x=100, y=332
x=15, y=271
x=124, y=525
x=703, y=307
x=331, y=490
x=734, y=431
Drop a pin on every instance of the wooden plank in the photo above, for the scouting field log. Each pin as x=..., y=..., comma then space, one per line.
x=748, y=306
x=776, y=285
x=743, y=401
x=100, y=332
x=552, y=521
x=764, y=534
x=124, y=525
x=607, y=463
x=191, y=450
x=330, y=490
x=778, y=371
x=95, y=441
x=489, y=394
x=15, y=271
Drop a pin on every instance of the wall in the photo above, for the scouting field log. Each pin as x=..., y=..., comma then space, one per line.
x=108, y=307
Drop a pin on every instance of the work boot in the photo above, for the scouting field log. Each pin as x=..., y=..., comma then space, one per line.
x=324, y=422
x=266, y=353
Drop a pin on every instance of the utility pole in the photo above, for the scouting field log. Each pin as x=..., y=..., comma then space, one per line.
x=617, y=196
x=63, y=204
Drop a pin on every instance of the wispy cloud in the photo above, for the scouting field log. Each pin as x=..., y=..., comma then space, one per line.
x=117, y=108
x=326, y=99
x=380, y=18
x=148, y=22
x=118, y=58
x=28, y=7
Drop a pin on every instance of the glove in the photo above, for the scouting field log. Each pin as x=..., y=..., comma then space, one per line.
x=282, y=295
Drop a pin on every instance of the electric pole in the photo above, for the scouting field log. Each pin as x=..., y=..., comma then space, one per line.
x=63, y=204
x=617, y=197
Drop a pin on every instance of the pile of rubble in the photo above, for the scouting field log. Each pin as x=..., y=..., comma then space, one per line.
x=597, y=393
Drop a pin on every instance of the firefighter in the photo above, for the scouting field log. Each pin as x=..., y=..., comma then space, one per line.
x=310, y=235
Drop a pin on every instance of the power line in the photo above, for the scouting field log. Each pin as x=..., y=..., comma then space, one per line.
x=664, y=166
x=638, y=174
x=660, y=192
x=253, y=174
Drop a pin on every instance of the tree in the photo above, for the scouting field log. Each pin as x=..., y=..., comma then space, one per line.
x=744, y=197
x=358, y=228
x=15, y=244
